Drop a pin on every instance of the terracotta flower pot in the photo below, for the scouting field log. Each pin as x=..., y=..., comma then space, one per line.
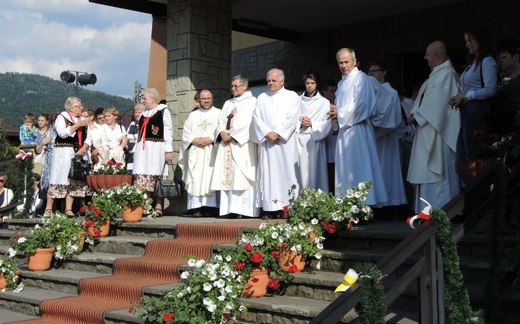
x=256, y=286
x=132, y=215
x=103, y=231
x=471, y=170
x=40, y=260
x=290, y=260
x=3, y=282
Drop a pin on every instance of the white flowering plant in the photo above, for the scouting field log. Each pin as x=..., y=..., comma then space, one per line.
x=71, y=235
x=328, y=212
x=126, y=194
x=209, y=293
x=9, y=269
x=55, y=231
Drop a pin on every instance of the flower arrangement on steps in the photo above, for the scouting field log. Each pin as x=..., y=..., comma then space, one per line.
x=9, y=271
x=111, y=203
x=255, y=267
x=57, y=236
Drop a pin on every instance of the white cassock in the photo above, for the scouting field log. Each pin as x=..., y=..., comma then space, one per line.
x=235, y=164
x=197, y=163
x=278, y=162
x=313, y=142
x=432, y=162
x=356, y=154
x=387, y=145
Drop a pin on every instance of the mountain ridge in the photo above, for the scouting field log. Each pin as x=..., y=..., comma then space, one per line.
x=21, y=93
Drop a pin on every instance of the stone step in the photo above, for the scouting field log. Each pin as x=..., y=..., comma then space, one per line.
x=28, y=300
x=60, y=280
x=10, y=316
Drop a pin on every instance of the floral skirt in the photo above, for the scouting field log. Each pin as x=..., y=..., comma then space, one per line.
x=146, y=181
x=57, y=191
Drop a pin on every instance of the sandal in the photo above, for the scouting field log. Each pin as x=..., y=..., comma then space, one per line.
x=158, y=212
x=47, y=212
x=67, y=211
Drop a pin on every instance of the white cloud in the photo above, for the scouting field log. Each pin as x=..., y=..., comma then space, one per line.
x=47, y=37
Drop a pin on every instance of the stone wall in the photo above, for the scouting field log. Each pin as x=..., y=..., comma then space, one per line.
x=399, y=40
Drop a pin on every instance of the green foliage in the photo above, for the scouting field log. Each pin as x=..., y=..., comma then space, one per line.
x=9, y=269
x=69, y=234
x=23, y=93
x=328, y=212
x=208, y=293
x=455, y=292
x=372, y=309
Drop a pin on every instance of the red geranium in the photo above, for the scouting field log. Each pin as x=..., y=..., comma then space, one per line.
x=273, y=284
x=83, y=209
x=329, y=228
x=254, y=280
x=286, y=211
x=239, y=265
x=99, y=212
x=292, y=269
x=168, y=317
x=89, y=223
x=248, y=247
x=275, y=254
x=257, y=257
x=93, y=207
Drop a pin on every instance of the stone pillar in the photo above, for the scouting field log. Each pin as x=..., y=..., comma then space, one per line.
x=199, y=55
x=158, y=57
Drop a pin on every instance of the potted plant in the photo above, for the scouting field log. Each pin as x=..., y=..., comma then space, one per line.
x=108, y=175
x=38, y=244
x=71, y=234
x=8, y=271
x=327, y=212
x=208, y=293
x=135, y=201
x=295, y=242
x=100, y=213
x=256, y=259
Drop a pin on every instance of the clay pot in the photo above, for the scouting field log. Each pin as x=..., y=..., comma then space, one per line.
x=256, y=286
x=98, y=181
x=103, y=231
x=40, y=260
x=132, y=215
x=289, y=259
x=3, y=282
x=471, y=170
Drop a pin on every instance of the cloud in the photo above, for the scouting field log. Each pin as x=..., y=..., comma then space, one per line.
x=47, y=37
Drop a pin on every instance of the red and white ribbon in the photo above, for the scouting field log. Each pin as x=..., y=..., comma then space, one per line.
x=424, y=215
x=22, y=155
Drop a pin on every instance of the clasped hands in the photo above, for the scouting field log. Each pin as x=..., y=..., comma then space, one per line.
x=226, y=137
x=202, y=141
x=272, y=137
x=457, y=100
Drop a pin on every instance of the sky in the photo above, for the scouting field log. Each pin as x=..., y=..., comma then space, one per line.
x=47, y=37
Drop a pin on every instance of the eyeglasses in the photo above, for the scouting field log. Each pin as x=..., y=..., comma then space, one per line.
x=100, y=117
x=236, y=86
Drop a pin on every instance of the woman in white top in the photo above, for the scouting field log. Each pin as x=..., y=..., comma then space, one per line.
x=115, y=135
x=98, y=152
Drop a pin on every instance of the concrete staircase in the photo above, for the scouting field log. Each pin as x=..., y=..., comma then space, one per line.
x=304, y=298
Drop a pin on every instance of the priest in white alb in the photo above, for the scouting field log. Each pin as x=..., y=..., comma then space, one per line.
x=235, y=169
x=273, y=128
x=432, y=168
x=356, y=153
x=197, y=154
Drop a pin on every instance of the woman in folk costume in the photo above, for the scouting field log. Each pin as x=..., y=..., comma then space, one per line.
x=235, y=164
x=154, y=145
x=313, y=130
x=72, y=140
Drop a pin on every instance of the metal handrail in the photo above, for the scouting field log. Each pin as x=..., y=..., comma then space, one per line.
x=427, y=269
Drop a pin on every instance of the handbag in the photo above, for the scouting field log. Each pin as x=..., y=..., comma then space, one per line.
x=79, y=168
x=168, y=188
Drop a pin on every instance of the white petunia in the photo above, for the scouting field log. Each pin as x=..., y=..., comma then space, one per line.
x=185, y=275
x=207, y=286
